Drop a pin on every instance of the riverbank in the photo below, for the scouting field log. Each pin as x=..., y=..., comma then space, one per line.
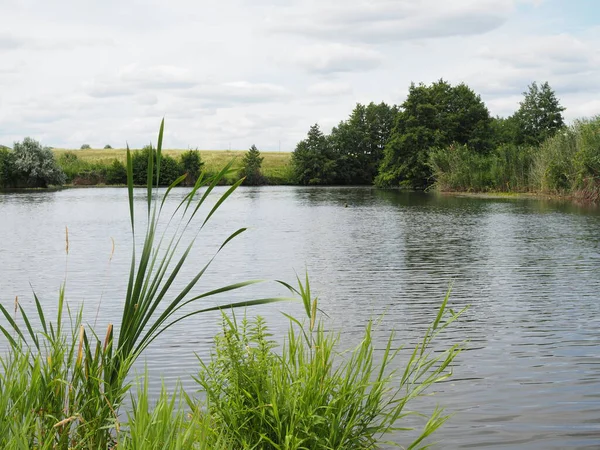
x=557, y=198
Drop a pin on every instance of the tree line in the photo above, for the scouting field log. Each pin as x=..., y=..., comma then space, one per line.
x=392, y=146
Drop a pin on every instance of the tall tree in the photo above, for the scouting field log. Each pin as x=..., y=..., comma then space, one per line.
x=313, y=161
x=358, y=142
x=432, y=116
x=539, y=115
x=252, y=164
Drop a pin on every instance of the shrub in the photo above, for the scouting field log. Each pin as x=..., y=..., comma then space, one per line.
x=191, y=163
x=35, y=165
x=85, y=147
x=107, y=147
x=170, y=169
x=116, y=173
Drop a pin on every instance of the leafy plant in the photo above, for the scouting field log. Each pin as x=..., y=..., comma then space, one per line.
x=107, y=147
x=85, y=147
x=309, y=396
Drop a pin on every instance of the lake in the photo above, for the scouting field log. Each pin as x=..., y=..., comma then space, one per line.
x=530, y=269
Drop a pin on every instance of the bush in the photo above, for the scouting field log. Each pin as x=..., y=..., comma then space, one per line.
x=85, y=147
x=116, y=173
x=191, y=163
x=35, y=165
x=170, y=169
x=107, y=147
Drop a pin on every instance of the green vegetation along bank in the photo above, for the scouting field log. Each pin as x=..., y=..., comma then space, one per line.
x=441, y=137
x=30, y=165
x=64, y=385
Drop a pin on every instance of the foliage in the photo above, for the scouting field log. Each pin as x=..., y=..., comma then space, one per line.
x=7, y=168
x=85, y=147
x=251, y=167
x=306, y=396
x=433, y=116
x=458, y=168
x=116, y=173
x=192, y=164
x=569, y=162
x=539, y=116
x=107, y=147
x=81, y=172
x=35, y=165
x=313, y=160
x=504, y=130
x=170, y=168
x=358, y=142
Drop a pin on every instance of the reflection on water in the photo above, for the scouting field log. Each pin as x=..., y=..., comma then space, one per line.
x=530, y=270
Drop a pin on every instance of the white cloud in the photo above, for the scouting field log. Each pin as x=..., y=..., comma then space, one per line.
x=329, y=89
x=332, y=58
x=393, y=20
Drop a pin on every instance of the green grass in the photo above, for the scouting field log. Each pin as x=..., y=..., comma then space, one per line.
x=63, y=384
x=275, y=167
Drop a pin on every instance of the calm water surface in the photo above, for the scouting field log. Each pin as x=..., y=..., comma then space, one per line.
x=529, y=269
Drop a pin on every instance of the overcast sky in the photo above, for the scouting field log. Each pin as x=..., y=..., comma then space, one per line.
x=241, y=72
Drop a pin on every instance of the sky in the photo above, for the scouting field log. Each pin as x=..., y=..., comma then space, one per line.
x=233, y=73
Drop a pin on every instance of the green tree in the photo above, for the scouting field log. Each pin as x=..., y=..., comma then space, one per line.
x=358, y=142
x=107, y=147
x=251, y=170
x=35, y=166
x=504, y=130
x=7, y=167
x=432, y=117
x=313, y=161
x=192, y=163
x=539, y=115
x=85, y=147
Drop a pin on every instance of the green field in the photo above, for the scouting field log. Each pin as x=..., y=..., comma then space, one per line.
x=275, y=166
